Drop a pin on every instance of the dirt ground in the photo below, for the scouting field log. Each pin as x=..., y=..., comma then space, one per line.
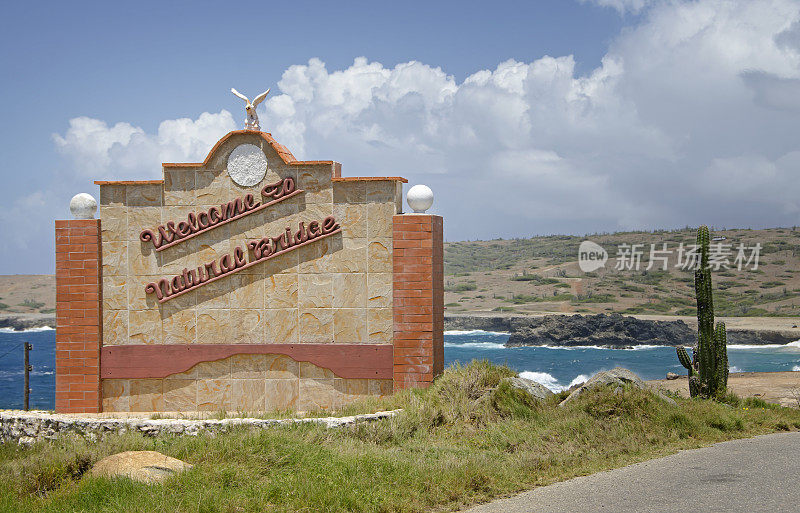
x=27, y=293
x=775, y=387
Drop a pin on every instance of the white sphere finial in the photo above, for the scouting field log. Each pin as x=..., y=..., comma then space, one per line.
x=420, y=198
x=83, y=206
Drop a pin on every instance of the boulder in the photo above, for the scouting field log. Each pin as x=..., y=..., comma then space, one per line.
x=536, y=390
x=673, y=375
x=617, y=377
x=143, y=466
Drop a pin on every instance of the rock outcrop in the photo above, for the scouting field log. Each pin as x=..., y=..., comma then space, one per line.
x=617, y=377
x=536, y=390
x=613, y=330
x=22, y=321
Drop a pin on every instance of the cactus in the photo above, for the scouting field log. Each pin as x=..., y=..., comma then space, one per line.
x=708, y=368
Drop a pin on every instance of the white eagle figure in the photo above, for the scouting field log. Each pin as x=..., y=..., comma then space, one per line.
x=251, y=123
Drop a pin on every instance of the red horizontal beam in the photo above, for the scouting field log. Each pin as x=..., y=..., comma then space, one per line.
x=158, y=361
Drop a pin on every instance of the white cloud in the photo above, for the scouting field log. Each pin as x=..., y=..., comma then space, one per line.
x=99, y=151
x=690, y=118
x=623, y=6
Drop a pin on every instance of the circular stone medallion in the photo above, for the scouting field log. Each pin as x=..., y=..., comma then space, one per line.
x=247, y=165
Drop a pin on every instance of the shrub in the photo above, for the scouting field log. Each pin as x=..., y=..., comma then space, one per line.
x=30, y=303
x=504, y=309
x=536, y=279
x=462, y=287
x=595, y=298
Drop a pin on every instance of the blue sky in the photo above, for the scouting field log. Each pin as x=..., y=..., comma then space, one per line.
x=593, y=115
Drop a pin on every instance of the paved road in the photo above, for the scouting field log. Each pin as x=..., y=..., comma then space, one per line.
x=751, y=475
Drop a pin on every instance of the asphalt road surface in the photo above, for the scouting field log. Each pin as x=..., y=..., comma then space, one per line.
x=750, y=475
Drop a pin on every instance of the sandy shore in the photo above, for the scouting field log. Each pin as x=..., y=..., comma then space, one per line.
x=776, y=387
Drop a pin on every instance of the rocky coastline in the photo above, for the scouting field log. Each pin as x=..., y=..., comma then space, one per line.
x=22, y=321
x=613, y=330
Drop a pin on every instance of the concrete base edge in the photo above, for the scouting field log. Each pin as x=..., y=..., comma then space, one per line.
x=26, y=427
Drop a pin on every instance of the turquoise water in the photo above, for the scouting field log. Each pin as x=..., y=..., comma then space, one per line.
x=556, y=368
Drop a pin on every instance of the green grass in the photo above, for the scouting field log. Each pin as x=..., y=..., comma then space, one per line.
x=462, y=441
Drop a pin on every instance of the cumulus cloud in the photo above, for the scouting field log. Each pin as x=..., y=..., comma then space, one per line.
x=690, y=118
x=101, y=151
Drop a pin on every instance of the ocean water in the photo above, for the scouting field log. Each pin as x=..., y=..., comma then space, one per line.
x=556, y=368
x=559, y=368
x=43, y=375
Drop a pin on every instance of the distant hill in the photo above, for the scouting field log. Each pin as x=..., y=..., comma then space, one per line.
x=541, y=274
x=27, y=293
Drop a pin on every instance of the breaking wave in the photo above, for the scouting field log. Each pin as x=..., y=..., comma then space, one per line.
x=550, y=382
x=476, y=345
x=790, y=345
x=796, y=368
x=29, y=330
x=12, y=374
x=475, y=332
x=575, y=348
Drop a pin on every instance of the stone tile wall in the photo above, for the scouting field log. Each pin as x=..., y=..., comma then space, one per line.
x=334, y=290
x=241, y=383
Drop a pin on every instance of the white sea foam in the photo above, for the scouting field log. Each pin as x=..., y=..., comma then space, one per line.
x=11, y=374
x=763, y=346
x=30, y=330
x=796, y=368
x=790, y=345
x=476, y=345
x=630, y=348
x=474, y=332
x=734, y=368
x=550, y=382
x=755, y=346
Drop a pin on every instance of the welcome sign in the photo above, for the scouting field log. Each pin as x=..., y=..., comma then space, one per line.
x=251, y=281
x=266, y=248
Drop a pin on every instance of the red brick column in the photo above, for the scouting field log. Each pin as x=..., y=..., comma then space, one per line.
x=78, y=315
x=418, y=300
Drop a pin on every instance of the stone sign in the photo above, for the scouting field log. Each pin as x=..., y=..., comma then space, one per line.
x=249, y=282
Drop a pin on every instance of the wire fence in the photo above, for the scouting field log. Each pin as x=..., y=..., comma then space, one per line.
x=17, y=346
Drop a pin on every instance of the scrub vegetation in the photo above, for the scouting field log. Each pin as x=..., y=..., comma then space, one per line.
x=541, y=274
x=468, y=438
